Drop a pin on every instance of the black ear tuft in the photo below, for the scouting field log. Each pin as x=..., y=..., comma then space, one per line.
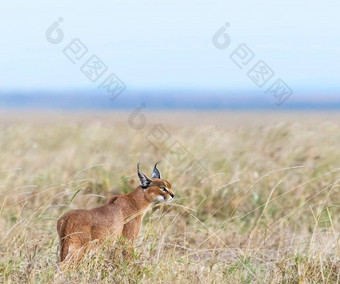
x=144, y=180
x=156, y=173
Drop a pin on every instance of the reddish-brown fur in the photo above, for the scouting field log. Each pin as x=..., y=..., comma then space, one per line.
x=120, y=216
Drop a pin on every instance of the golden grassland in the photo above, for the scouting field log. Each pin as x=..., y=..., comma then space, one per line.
x=266, y=211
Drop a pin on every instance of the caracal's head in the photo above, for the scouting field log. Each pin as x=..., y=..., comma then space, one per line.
x=155, y=189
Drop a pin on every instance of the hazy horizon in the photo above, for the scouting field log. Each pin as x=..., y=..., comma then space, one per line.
x=180, y=99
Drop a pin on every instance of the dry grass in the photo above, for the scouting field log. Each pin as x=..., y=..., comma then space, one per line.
x=267, y=213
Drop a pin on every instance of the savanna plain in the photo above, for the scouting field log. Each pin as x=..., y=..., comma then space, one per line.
x=257, y=195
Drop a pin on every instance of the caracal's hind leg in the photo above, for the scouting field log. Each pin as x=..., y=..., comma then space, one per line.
x=74, y=247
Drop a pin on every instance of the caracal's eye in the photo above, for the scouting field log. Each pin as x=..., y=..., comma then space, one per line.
x=164, y=189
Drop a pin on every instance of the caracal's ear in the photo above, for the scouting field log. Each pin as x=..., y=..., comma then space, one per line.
x=144, y=180
x=156, y=173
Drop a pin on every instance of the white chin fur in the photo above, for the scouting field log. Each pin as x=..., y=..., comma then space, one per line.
x=159, y=198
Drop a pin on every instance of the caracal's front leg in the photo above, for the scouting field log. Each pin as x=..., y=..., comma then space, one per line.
x=130, y=232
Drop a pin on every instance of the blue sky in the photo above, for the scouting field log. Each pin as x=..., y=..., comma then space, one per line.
x=168, y=44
